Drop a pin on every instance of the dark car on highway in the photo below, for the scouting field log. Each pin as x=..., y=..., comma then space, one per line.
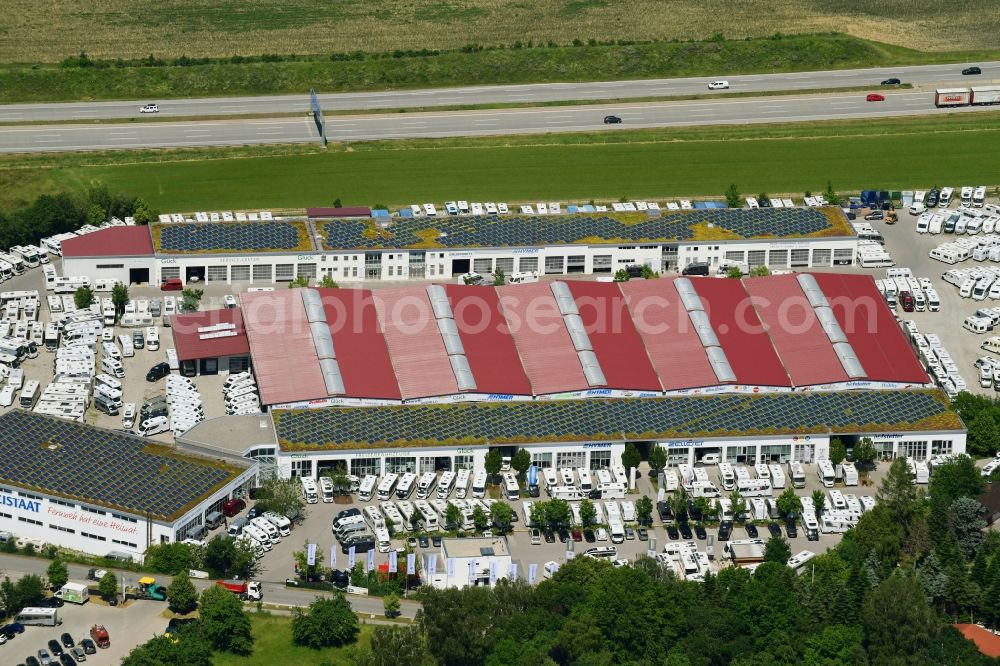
x=685, y=528
x=969, y=71
x=891, y=82
x=774, y=528
x=751, y=530
x=612, y=120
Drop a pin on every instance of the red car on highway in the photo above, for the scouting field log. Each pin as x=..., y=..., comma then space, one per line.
x=875, y=97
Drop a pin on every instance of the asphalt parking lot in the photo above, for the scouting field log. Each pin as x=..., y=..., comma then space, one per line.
x=127, y=626
x=278, y=564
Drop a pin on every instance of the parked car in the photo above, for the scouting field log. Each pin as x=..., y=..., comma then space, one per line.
x=774, y=528
x=685, y=528
x=550, y=536
x=725, y=530
x=612, y=120
x=602, y=534
x=875, y=97
x=577, y=534
x=672, y=532
x=436, y=541
x=751, y=530
x=536, y=537
x=971, y=71
x=699, y=531
x=157, y=372
x=875, y=215
x=340, y=578
x=424, y=541
x=643, y=534
x=172, y=284
x=630, y=534
x=718, y=85
x=88, y=646
x=67, y=640
x=149, y=108
x=791, y=529
x=589, y=536
x=891, y=82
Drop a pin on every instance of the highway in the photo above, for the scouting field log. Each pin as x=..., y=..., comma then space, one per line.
x=920, y=75
x=275, y=592
x=71, y=137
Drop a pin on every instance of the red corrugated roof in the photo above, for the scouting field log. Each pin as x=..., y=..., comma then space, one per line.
x=871, y=328
x=748, y=347
x=414, y=341
x=987, y=642
x=284, y=356
x=344, y=211
x=801, y=343
x=486, y=338
x=671, y=343
x=547, y=354
x=359, y=344
x=132, y=241
x=613, y=336
x=189, y=342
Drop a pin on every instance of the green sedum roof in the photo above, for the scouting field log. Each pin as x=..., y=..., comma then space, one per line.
x=470, y=424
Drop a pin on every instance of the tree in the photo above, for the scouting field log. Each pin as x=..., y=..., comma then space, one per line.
x=588, y=514
x=733, y=198
x=493, y=463
x=83, y=297
x=983, y=434
x=738, y=505
x=777, y=550
x=631, y=457
x=959, y=477
x=283, y=496
x=96, y=216
x=657, y=458
x=27, y=591
x=144, y=213
x=897, y=492
x=559, y=513
x=182, y=598
x=390, y=603
x=648, y=273
x=57, y=574
x=763, y=196
x=760, y=271
x=392, y=646
x=479, y=518
x=191, y=299
x=836, y=645
x=789, y=503
x=819, y=499
x=521, y=461
x=169, y=651
x=965, y=518
x=173, y=558
x=225, y=625
x=502, y=515
x=339, y=478
x=499, y=279
x=838, y=452
x=643, y=510
x=452, y=517
x=734, y=272
x=119, y=297
x=899, y=625
x=108, y=586
x=328, y=622
x=865, y=453
x=621, y=275
x=328, y=282
x=831, y=196
x=299, y=282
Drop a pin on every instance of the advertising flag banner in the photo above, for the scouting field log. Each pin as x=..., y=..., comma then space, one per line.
x=311, y=554
x=451, y=567
x=371, y=561
x=333, y=556
x=350, y=557
x=532, y=573
x=432, y=564
x=493, y=573
x=472, y=571
x=393, y=562
x=512, y=571
x=411, y=564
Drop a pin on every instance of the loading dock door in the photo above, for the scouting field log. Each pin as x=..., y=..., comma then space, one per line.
x=138, y=275
x=460, y=266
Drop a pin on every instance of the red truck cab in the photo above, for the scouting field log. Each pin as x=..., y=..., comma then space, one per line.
x=100, y=636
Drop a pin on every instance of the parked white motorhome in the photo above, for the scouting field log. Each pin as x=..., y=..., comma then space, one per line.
x=825, y=473
x=754, y=487
x=849, y=473
x=462, y=482
x=479, y=485
x=387, y=485
x=727, y=476
x=446, y=484
x=367, y=487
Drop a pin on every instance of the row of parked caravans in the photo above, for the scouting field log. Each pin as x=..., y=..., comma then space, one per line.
x=958, y=222
x=920, y=290
x=936, y=360
x=458, y=482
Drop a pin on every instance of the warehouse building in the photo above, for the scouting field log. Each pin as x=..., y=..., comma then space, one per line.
x=210, y=342
x=105, y=492
x=365, y=248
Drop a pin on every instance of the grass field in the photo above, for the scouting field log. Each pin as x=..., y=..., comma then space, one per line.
x=49, y=30
x=273, y=645
x=792, y=158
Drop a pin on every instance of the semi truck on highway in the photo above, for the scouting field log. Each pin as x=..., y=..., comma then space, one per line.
x=975, y=96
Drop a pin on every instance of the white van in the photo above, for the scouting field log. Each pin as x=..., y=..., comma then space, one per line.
x=612, y=490
x=977, y=325
x=112, y=367
x=568, y=493
x=267, y=527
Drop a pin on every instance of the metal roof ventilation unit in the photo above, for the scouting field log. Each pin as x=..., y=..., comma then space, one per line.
x=706, y=334
x=323, y=342
x=578, y=333
x=448, y=329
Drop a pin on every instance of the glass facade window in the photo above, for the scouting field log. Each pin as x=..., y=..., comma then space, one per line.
x=884, y=449
x=542, y=460
x=742, y=454
x=554, y=265
x=800, y=257
x=602, y=263
x=940, y=447
x=756, y=258
x=738, y=256
x=307, y=271
x=400, y=465
x=284, y=272
x=240, y=273
x=678, y=455
x=843, y=256
x=505, y=264
x=915, y=450
x=804, y=452
x=527, y=264
x=778, y=258
x=302, y=468
x=600, y=459
x=262, y=273
x=776, y=452
x=364, y=466
x=217, y=273
x=426, y=464
x=571, y=459
x=463, y=462
x=482, y=266
x=170, y=272
x=821, y=257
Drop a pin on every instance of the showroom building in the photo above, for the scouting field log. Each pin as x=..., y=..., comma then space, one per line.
x=104, y=492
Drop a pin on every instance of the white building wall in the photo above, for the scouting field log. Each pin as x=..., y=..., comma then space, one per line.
x=114, y=268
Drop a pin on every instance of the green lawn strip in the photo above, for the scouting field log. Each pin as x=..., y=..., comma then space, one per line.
x=652, y=164
x=43, y=83
x=273, y=645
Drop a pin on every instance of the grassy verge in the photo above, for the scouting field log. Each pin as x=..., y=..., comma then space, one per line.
x=273, y=645
x=674, y=162
x=466, y=107
x=380, y=71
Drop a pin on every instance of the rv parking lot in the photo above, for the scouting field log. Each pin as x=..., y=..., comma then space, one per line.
x=278, y=564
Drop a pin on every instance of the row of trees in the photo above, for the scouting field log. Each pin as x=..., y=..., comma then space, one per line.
x=222, y=557
x=54, y=214
x=981, y=415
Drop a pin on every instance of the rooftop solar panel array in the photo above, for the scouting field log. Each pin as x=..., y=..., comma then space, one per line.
x=235, y=237
x=588, y=420
x=530, y=230
x=101, y=467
